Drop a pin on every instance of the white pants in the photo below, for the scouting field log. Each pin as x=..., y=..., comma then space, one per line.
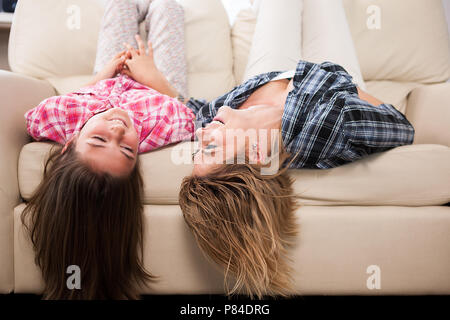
x=313, y=30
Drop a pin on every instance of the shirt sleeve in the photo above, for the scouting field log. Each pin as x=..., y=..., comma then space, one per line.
x=348, y=84
x=332, y=138
x=196, y=104
x=332, y=67
x=371, y=129
x=174, y=122
x=47, y=120
x=182, y=123
x=201, y=110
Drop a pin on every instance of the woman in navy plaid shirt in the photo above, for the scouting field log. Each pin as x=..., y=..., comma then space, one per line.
x=243, y=217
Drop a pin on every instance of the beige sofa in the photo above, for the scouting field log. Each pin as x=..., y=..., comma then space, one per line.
x=376, y=226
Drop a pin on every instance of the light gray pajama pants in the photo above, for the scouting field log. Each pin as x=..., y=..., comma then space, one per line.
x=164, y=25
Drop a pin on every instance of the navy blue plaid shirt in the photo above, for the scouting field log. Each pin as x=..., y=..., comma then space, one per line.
x=325, y=124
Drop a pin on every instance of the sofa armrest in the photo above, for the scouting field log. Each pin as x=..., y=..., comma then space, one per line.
x=18, y=94
x=429, y=112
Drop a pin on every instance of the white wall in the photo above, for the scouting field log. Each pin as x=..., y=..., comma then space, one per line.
x=447, y=12
x=234, y=6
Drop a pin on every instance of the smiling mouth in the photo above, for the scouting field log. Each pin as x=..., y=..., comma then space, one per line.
x=119, y=120
x=218, y=120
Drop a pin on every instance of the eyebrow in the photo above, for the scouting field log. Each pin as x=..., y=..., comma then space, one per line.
x=101, y=146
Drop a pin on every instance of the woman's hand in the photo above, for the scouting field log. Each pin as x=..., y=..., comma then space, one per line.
x=140, y=66
x=112, y=68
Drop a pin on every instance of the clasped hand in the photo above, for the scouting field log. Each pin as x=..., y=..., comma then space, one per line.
x=139, y=65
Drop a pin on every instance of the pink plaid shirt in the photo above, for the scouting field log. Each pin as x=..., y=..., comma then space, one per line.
x=158, y=119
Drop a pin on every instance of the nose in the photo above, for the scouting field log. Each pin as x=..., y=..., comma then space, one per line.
x=200, y=133
x=117, y=129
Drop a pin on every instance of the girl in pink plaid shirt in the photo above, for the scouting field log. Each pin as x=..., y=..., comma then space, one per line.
x=130, y=106
x=88, y=209
x=115, y=118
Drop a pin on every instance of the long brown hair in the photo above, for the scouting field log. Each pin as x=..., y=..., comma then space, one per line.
x=90, y=219
x=244, y=221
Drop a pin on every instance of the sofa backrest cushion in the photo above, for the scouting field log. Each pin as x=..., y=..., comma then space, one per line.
x=54, y=38
x=58, y=39
x=208, y=48
x=401, y=40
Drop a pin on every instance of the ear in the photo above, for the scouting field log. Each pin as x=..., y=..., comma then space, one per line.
x=70, y=141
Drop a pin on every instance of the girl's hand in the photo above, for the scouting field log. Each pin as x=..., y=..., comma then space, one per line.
x=140, y=66
x=112, y=68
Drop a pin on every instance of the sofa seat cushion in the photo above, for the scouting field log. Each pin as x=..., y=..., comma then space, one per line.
x=392, y=92
x=65, y=85
x=414, y=175
x=334, y=252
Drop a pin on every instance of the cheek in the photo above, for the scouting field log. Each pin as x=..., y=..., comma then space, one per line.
x=218, y=137
x=241, y=123
x=133, y=140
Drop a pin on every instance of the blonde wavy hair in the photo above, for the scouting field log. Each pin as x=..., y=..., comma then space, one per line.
x=244, y=221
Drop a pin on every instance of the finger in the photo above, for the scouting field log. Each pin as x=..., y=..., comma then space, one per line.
x=126, y=55
x=141, y=44
x=121, y=62
x=150, y=48
x=126, y=72
x=131, y=50
x=118, y=62
x=129, y=63
x=119, y=54
x=120, y=58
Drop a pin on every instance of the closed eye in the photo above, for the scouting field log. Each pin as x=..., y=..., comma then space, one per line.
x=209, y=149
x=99, y=138
x=103, y=140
